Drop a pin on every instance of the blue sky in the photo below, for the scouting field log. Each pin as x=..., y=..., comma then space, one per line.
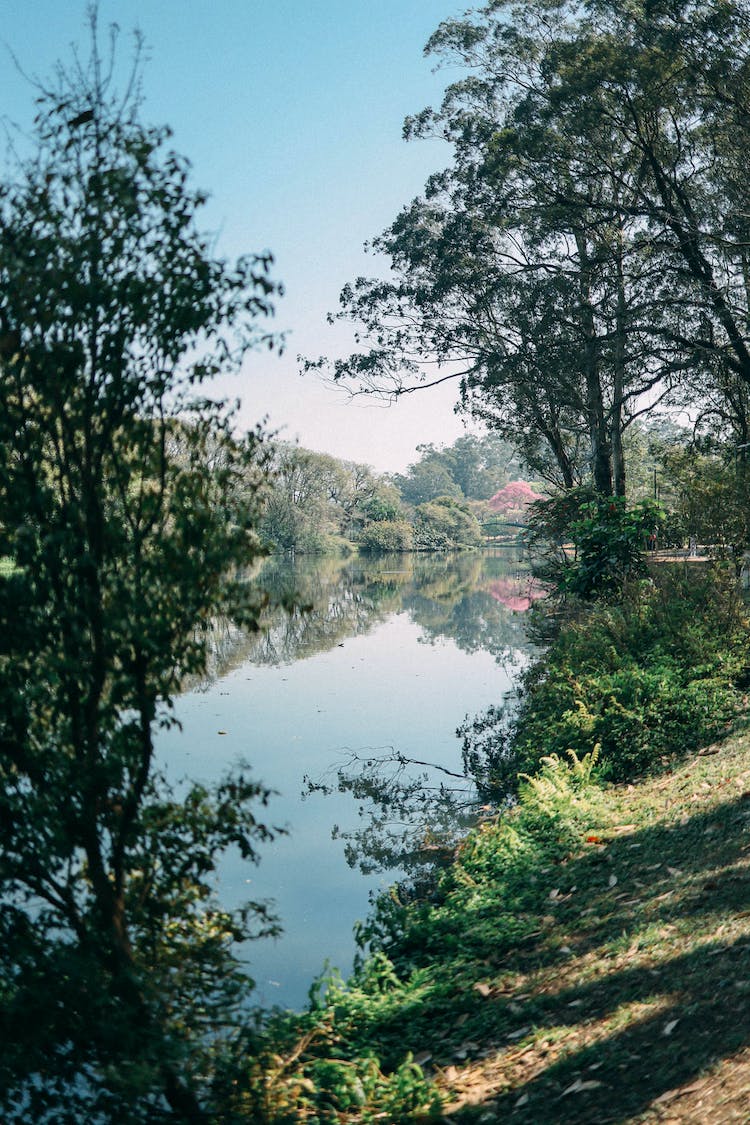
x=291, y=112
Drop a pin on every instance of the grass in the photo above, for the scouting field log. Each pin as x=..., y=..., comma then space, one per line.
x=585, y=956
x=632, y=1002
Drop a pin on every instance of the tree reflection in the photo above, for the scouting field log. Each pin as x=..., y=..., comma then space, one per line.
x=411, y=813
x=316, y=604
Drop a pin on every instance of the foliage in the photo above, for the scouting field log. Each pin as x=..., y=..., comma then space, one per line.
x=300, y=1070
x=299, y=513
x=646, y=680
x=711, y=500
x=444, y=524
x=608, y=537
x=385, y=504
x=471, y=468
x=130, y=511
x=384, y=536
x=317, y=504
x=425, y=481
x=489, y=885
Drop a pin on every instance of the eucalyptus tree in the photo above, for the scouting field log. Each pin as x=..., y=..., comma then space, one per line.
x=585, y=255
x=119, y=985
x=656, y=96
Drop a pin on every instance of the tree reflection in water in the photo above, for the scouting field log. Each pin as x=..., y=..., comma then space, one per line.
x=316, y=603
x=411, y=813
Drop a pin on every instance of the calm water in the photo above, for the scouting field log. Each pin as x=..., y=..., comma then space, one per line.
x=391, y=654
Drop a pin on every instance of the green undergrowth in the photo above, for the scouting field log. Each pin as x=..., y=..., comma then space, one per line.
x=587, y=952
x=647, y=679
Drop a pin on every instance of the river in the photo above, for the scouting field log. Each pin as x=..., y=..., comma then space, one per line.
x=389, y=655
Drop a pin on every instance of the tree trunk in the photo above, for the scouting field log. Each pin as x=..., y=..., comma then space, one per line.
x=618, y=389
x=601, y=451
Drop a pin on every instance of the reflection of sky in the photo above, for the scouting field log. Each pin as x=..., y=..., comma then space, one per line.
x=381, y=690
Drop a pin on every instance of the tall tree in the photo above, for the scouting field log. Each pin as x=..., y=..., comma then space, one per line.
x=127, y=508
x=587, y=248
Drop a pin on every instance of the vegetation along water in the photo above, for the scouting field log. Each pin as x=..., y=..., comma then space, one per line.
x=388, y=659
x=562, y=932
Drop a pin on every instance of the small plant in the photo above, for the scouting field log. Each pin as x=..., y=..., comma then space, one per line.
x=593, y=544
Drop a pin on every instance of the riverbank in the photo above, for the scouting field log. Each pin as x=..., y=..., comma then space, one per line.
x=585, y=957
x=624, y=999
x=629, y=1002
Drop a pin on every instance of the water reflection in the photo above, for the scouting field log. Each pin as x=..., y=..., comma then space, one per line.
x=473, y=599
x=384, y=662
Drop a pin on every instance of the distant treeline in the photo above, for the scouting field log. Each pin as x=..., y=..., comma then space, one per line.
x=317, y=503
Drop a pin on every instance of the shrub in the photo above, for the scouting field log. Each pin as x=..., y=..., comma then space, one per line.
x=653, y=677
x=385, y=536
x=444, y=524
x=607, y=536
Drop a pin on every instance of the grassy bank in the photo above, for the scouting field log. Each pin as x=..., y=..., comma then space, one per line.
x=586, y=955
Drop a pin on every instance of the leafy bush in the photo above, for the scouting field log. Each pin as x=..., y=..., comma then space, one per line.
x=301, y=1068
x=608, y=540
x=650, y=678
x=384, y=536
x=443, y=524
x=491, y=885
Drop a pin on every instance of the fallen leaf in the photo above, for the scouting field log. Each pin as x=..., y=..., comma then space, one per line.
x=669, y=1027
x=423, y=1057
x=520, y=1033
x=613, y=880
x=579, y=1085
x=523, y=1100
x=592, y=839
x=483, y=988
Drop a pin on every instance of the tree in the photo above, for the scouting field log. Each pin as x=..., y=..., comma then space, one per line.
x=472, y=468
x=128, y=509
x=585, y=255
x=299, y=511
x=427, y=479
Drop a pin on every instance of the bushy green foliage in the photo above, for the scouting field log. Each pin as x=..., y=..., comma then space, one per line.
x=711, y=498
x=592, y=544
x=487, y=898
x=472, y=468
x=383, y=536
x=444, y=524
x=303, y=1068
x=650, y=678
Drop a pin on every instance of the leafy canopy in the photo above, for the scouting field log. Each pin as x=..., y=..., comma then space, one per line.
x=128, y=511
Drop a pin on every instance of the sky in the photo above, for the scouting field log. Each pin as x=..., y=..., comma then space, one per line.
x=291, y=113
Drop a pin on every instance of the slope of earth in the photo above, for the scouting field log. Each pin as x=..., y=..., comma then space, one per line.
x=630, y=1002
